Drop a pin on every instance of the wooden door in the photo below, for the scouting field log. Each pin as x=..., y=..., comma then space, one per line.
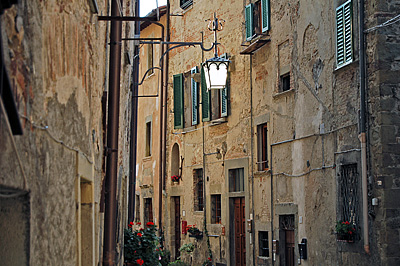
x=287, y=238
x=240, y=232
x=289, y=247
x=177, y=231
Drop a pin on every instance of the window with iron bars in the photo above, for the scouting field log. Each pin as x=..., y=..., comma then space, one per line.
x=349, y=194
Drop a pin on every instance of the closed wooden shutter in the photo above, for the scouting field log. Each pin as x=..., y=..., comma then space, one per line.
x=265, y=15
x=178, y=101
x=249, y=22
x=205, y=99
x=195, y=100
x=344, y=38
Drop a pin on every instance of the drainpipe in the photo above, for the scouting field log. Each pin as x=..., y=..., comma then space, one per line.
x=110, y=216
x=163, y=114
x=252, y=156
x=362, y=136
x=134, y=111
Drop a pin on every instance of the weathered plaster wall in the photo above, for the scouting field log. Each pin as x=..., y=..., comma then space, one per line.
x=56, y=56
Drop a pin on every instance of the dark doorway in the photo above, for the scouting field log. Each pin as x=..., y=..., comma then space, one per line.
x=287, y=238
x=177, y=225
x=239, y=229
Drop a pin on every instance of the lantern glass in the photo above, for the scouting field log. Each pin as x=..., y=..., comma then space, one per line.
x=216, y=72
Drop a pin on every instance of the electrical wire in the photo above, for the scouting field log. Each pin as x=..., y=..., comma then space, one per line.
x=309, y=171
x=385, y=24
x=46, y=129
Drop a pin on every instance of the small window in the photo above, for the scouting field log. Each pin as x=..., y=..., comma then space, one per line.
x=285, y=82
x=236, y=180
x=148, y=210
x=215, y=209
x=186, y=3
x=148, y=139
x=257, y=17
x=263, y=244
x=349, y=194
x=262, y=137
x=137, y=208
x=198, y=190
x=150, y=58
x=344, y=34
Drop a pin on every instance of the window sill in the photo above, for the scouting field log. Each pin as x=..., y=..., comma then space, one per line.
x=344, y=66
x=150, y=75
x=279, y=94
x=146, y=158
x=218, y=121
x=260, y=172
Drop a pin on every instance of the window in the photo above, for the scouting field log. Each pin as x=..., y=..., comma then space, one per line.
x=349, y=193
x=344, y=38
x=214, y=102
x=284, y=82
x=137, y=208
x=263, y=244
x=215, y=209
x=186, y=103
x=198, y=190
x=236, y=180
x=257, y=16
x=148, y=138
x=148, y=210
x=186, y=3
x=150, y=58
x=262, y=137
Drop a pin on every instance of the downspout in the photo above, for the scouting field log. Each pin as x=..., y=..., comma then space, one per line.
x=272, y=205
x=110, y=216
x=161, y=159
x=362, y=136
x=252, y=155
x=165, y=100
x=134, y=111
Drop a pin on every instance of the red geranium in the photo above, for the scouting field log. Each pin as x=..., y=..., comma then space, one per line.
x=149, y=224
x=139, y=234
x=139, y=261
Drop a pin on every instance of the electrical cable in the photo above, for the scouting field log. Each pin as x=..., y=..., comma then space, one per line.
x=385, y=24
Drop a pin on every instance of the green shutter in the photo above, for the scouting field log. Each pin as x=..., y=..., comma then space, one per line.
x=178, y=101
x=265, y=15
x=224, y=101
x=195, y=101
x=348, y=43
x=249, y=22
x=344, y=38
x=205, y=99
x=224, y=94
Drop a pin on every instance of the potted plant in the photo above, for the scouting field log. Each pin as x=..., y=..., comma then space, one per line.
x=345, y=231
x=175, y=178
x=194, y=232
x=141, y=245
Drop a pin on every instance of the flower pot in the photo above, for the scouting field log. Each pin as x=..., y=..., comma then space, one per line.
x=345, y=238
x=198, y=235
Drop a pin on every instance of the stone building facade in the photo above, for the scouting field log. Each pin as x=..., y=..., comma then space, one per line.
x=56, y=56
x=275, y=159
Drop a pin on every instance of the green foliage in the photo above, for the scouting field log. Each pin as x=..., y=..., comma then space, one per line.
x=188, y=248
x=178, y=263
x=345, y=228
x=141, y=246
